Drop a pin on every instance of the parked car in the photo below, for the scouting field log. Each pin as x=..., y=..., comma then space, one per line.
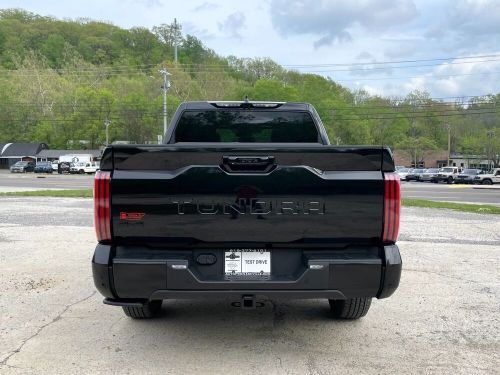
x=55, y=166
x=415, y=174
x=402, y=173
x=23, y=167
x=446, y=174
x=238, y=207
x=83, y=167
x=489, y=178
x=63, y=167
x=43, y=167
x=467, y=176
x=429, y=174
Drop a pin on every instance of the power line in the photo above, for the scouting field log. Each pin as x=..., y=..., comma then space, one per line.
x=217, y=69
x=416, y=117
x=228, y=64
x=395, y=62
x=410, y=77
x=360, y=117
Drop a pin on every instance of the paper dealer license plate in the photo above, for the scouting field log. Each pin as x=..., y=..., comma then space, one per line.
x=247, y=262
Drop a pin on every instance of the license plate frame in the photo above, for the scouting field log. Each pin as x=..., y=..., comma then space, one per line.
x=247, y=262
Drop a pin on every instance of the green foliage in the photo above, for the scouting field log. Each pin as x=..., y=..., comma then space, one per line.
x=82, y=193
x=61, y=80
x=416, y=147
x=476, y=208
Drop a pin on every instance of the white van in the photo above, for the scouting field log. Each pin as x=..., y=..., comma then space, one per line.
x=76, y=158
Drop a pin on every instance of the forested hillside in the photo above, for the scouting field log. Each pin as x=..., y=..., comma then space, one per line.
x=60, y=80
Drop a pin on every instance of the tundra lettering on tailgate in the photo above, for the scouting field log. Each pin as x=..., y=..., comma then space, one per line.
x=252, y=206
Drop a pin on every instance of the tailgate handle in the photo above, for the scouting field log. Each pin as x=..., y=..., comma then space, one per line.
x=248, y=164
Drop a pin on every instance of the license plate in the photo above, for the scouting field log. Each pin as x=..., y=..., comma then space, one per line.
x=247, y=262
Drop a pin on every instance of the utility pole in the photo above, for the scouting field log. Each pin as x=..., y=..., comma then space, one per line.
x=177, y=29
x=106, y=124
x=448, y=127
x=165, y=87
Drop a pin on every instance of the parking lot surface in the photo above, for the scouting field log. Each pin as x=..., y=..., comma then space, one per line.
x=36, y=181
x=477, y=194
x=444, y=318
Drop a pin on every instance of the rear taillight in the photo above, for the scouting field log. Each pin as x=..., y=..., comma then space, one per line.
x=392, y=206
x=102, y=206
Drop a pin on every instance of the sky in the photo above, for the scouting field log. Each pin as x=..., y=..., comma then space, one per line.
x=350, y=41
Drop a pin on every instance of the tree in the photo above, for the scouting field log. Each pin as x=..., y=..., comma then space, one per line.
x=169, y=34
x=470, y=146
x=416, y=148
x=272, y=90
x=53, y=49
x=492, y=143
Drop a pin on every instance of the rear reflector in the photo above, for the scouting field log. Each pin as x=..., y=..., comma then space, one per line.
x=102, y=206
x=392, y=206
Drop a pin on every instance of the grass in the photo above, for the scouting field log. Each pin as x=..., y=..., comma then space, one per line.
x=466, y=207
x=80, y=193
x=87, y=193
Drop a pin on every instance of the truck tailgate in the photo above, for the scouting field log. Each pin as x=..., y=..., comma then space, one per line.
x=261, y=194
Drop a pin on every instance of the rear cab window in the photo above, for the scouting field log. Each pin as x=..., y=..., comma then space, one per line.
x=246, y=126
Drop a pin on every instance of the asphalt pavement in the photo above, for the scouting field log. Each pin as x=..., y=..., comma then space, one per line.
x=40, y=181
x=418, y=190
x=443, y=319
x=478, y=194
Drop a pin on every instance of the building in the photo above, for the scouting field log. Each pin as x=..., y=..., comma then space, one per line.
x=51, y=155
x=431, y=159
x=438, y=159
x=470, y=161
x=10, y=153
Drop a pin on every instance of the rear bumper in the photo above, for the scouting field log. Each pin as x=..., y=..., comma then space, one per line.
x=128, y=275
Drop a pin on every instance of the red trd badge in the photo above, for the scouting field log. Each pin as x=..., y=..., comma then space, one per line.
x=132, y=216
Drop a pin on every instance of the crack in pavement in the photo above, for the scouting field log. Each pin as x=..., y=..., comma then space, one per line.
x=41, y=328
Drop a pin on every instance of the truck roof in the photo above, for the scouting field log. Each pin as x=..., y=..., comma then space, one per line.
x=206, y=105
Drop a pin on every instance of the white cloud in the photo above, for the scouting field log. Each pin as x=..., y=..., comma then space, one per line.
x=460, y=77
x=206, y=6
x=331, y=21
x=233, y=24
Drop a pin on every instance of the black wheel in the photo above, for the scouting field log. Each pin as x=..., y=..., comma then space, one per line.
x=351, y=308
x=487, y=182
x=147, y=311
x=449, y=180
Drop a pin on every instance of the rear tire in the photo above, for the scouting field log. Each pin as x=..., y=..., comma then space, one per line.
x=149, y=310
x=351, y=308
x=449, y=180
x=487, y=182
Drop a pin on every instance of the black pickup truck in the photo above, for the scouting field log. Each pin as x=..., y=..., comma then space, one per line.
x=246, y=200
